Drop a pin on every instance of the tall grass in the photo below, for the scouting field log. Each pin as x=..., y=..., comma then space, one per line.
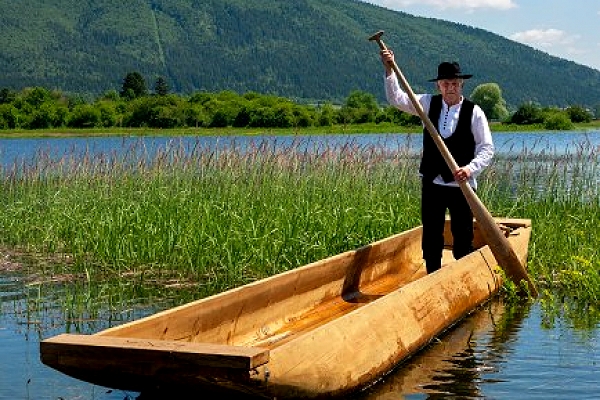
x=214, y=219
x=219, y=218
x=560, y=194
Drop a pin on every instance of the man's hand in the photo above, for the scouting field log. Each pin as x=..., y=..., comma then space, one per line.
x=387, y=58
x=462, y=174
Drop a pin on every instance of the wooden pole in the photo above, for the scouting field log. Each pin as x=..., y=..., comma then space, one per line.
x=494, y=237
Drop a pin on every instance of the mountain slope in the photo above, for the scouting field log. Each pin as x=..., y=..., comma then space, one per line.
x=302, y=49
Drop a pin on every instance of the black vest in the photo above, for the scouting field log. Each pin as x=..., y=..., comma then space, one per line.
x=461, y=144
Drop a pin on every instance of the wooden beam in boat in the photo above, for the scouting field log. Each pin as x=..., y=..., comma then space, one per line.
x=70, y=350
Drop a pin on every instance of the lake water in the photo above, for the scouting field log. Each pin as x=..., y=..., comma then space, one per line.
x=25, y=150
x=498, y=352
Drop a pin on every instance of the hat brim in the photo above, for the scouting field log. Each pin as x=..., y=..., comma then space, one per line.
x=465, y=76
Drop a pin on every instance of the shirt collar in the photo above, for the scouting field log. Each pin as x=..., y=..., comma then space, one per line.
x=446, y=107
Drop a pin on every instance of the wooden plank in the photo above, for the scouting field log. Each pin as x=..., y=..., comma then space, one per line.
x=69, y=350
x=360, y=346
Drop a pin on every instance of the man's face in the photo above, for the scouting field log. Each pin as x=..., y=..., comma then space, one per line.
x=451, y=90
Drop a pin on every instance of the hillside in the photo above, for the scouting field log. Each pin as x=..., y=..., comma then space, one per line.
x=315, y=50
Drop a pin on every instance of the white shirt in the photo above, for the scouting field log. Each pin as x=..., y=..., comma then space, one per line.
x=484, y=146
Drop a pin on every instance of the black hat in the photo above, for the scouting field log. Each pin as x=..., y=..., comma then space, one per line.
x=450, y=70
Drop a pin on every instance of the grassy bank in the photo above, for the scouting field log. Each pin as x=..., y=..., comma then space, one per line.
x=209, y=220
x=334, y=129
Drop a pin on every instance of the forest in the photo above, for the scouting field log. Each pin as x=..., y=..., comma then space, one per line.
x=310, y=51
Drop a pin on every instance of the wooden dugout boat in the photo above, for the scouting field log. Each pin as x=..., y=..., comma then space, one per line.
x=321, y=330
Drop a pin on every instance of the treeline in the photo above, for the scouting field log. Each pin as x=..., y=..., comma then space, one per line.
x=40, y=108
x=134, y=106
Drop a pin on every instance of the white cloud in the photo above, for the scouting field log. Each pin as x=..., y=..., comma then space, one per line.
x=544, y=37
x=553, y=41
x=445, y=4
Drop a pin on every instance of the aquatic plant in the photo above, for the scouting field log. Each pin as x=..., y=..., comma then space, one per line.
x=205, y=220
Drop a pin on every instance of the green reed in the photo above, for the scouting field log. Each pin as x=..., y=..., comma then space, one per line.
x=218, y=217
x=208, y=219
x=559, y=193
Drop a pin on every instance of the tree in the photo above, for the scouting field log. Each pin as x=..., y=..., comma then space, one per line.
x=7, y=96
x=9, y=116
x=160, y=86
x=395, y=116
x=36, y=96
x=46, y=116
x=579, y=114
x=85, y=116
x=360, y=107
x=558, y=121
x=326, y=116
x=489, y=97
x=528, y=114
x=111, y=95
x=134, y=86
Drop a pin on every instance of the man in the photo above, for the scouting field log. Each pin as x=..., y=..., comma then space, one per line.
x=464, y=129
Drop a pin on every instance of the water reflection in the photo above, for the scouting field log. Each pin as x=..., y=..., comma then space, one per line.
x=499, y=351
x=459, y=362
x=10, y=289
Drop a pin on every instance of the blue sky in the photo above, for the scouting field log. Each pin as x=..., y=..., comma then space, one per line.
x=561, y=28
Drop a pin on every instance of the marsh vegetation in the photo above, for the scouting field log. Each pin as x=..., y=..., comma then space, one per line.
x=131, y=228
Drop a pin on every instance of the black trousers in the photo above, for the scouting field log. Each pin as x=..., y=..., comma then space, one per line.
x=435, y=201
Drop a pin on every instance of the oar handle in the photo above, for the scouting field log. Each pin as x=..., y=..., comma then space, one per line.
x=501, y=248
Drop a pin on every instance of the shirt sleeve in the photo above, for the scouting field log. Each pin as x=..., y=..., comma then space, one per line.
x=484, y=145
x=401, y=100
